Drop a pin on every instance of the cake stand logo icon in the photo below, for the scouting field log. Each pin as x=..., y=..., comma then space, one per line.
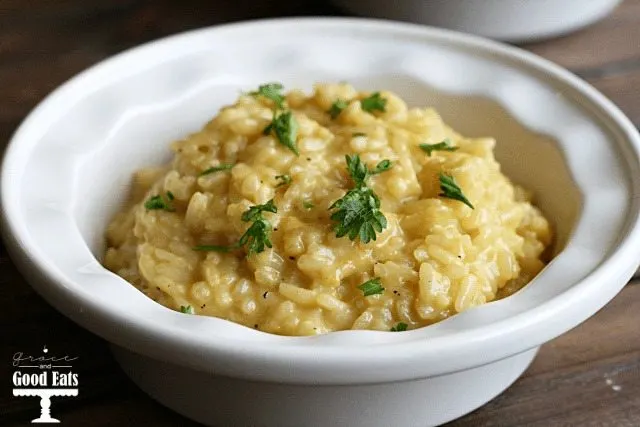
x=44, y=376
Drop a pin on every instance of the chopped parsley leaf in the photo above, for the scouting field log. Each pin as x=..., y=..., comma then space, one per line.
x=400, y=327
x=220, y=167
x=255, y=212
x=157, y=202
x=284, y=180
x=256, y=238
x=186, y=309
x=337, y=107
x=383, y=166
x=445, y=145
x=272, y=91
x=357, y=214
x=371, y=287
x=450, y=189
x=285, y=128
x=375, y=102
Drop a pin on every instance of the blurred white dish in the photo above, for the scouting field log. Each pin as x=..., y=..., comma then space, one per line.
x=507, y=20
x=68, y=166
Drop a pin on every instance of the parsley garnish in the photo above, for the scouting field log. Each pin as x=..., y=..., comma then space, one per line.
x=257, y=235
x=441, y=146
x=373, y=103
x=271, y=91
x=450, y=190
x=284, y=180
x=359, y=171
x=220, y=167
x=371, y=287
x=159, y=203
x=285, y=128
x=400, y=327
x=337, y=107
x=307, y=205
x=186, y=309
x=358, y=212
x=255, y=212
x=383, y=166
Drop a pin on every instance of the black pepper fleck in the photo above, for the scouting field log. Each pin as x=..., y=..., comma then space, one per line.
x=255, y=326
x=292, y=258
x=275, y=229
x=308, y=159
x=265, y=294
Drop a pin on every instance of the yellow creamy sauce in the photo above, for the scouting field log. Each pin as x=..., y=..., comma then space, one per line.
x=437, y=256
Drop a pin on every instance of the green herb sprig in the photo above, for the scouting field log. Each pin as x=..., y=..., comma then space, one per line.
x=400, y=327
x=158, y=202
x=255, y=212
x=372, y=103
x=272, y=91
x=284, y=180
x=220, y=167
x=257, y=236
x=285, y=127
x=337, y=107
x=450, y=189
x=187, y=309
x=357, y=214
x=445, y=145
x=371, y=287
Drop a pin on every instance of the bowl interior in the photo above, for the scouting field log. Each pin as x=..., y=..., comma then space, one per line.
x=70, y=164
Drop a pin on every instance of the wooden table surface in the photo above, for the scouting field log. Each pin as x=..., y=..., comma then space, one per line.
x=587, y=377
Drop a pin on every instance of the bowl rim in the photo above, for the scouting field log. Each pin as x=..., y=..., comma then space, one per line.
x=298, y=359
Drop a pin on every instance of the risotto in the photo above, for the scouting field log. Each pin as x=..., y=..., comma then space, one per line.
x=301, y=215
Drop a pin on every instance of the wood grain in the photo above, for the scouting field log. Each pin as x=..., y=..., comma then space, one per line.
x=575, y=380
x=623, y=89
x=587, y=377
x=606, y=45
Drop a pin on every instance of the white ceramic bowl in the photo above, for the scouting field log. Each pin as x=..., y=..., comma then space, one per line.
x=508, y=20
x=68, y=166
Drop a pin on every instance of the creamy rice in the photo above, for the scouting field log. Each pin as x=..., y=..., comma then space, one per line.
x=436, y=257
